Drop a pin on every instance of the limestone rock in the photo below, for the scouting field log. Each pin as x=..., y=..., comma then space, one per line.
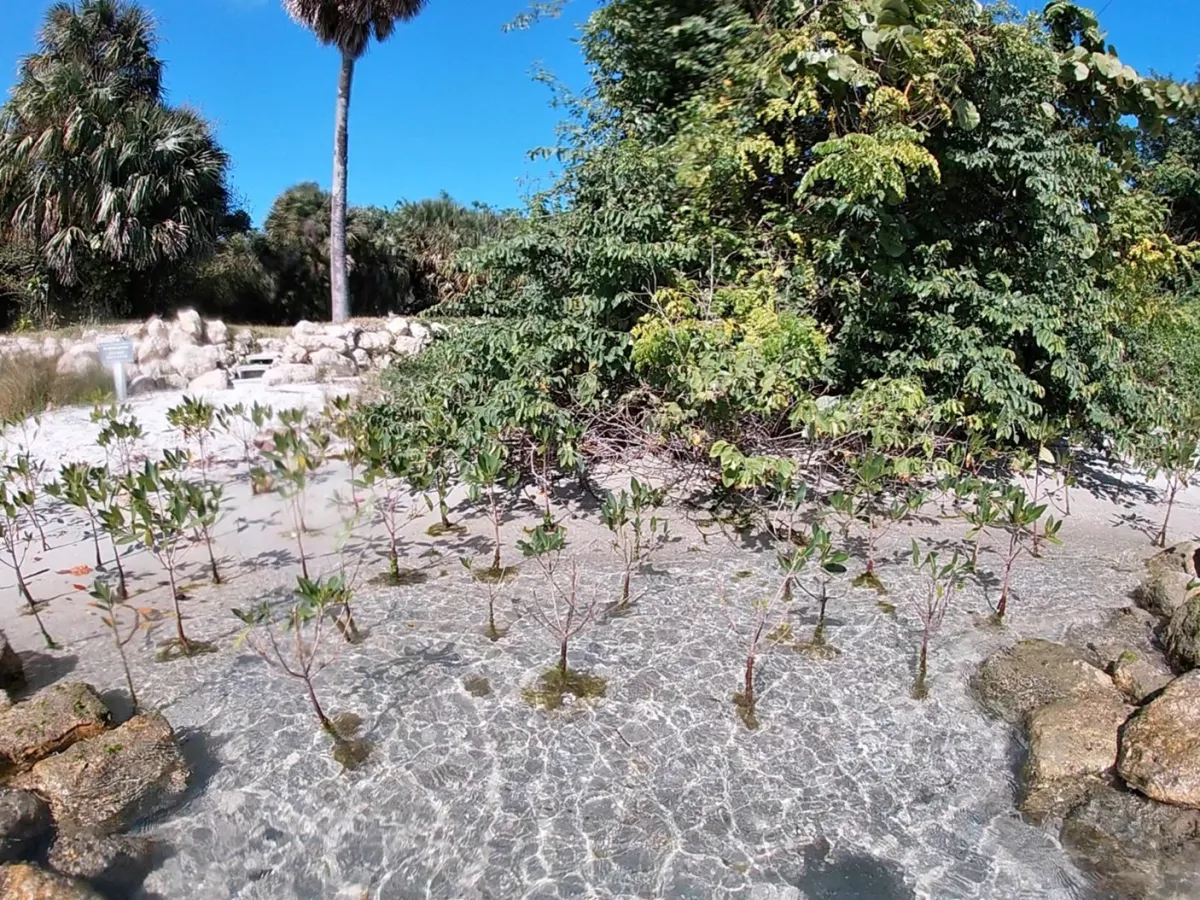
x=290, y=373
x=114, y=780
x=216, y=380
x=332, y=363
x=51, y=720
x=145, y=384
x=216, y=331
x=189, y=322
x=1160, y=746
x=304, y=327
x=407, y=346
x=193, y=361
x=438, y=329
x=1165, y=591
x=156, y=327
x=362, y=359
x=420, y=331
x=1134, y=846
x=153, y=346
x=1121, y=630
x=79, y=359
x=397, y=326
x=51, y=348
x=1013, y=682
x=12, y=673
x=321, y=341
x=1072, y=745
x=24, y=823
x=375, y=341
x=1178, y=558
x=1137, y=676
x=116, y=863
x=293, y=353
x=24, y=881
x=1182, y=635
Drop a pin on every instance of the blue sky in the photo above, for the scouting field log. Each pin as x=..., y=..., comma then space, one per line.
x=447, y=104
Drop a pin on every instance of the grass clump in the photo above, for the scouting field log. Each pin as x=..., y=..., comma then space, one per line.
x=31, y=384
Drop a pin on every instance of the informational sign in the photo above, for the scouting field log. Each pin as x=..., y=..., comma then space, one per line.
x=117, y=354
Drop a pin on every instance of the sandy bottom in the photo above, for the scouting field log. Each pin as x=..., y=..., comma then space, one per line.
x=849, y=788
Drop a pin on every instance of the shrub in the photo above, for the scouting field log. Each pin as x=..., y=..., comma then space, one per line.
x=31, y=384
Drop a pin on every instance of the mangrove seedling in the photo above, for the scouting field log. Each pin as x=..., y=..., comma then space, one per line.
x=492, y=632
x=348, y=429
x=110, y=608
x=295, y=646
x=1019, y=518
x=1171, y=451
x=27, y=473
x=204, y=505
x=109, y=498
x=244, y=424
x=332, y=594
x=17, y=538
x=383, y=477
x=297, y=453
x=196, y=418
x=819, y=556
x=634, y=536
x=120, y=436
x=485, y=475
x=983, y=515
x=76, y=487
x=941, y=582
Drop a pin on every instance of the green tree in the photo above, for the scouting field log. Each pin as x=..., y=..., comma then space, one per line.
x=350, y=26
x=96, y=171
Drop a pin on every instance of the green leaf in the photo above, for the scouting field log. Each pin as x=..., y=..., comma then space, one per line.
x=1081, y=71
x=965, y=114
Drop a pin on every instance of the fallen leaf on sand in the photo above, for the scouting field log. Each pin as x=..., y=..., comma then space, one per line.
x=76, y=570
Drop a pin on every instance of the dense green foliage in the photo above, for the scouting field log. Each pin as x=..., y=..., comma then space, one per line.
x=766, y=203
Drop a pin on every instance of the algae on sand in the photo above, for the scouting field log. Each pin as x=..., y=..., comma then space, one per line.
x=554, y=684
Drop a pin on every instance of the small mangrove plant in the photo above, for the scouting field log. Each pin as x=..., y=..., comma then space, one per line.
x=637, y=532
x=941, y=581
x=106, y=602
x=16, y=537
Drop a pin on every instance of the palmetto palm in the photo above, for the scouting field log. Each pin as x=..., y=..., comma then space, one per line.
x=92, y=163
x=348, y=25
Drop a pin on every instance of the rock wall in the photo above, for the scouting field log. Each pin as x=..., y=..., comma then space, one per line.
x=189, y=352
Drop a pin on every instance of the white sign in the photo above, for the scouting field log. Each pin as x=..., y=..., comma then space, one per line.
x=116, y=354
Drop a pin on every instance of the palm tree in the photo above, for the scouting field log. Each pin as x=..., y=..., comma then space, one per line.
x=94, y=168
x=349, y=25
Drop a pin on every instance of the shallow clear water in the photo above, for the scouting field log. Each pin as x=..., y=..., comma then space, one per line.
x=848, y=789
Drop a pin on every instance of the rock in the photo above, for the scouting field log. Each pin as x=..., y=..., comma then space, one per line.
x=375, y=341
x=1013, y=682
x=189, y=322
x=12, y=673
x=407, y=346
x=216, y=380
x=293, y=353
x=50, y=721
x=438, y=329
x=1137, y=676
x=1164, y=592
x=112, y=781
x=420, y=331
x=1120, y=631
x=1072, y=745
x=1160, y=746
x=1133, y=846
x=153, y=346
x=24, y=823
x=116, y=864
x=243, y=337
x=1182, y=636
x=193, y=361
x=304, y=327
x=51, y=348
x=23, y=881
x=321, y=341
x=144, y=384
x=1181, y=557
x=332, y=363
x=289, y=373
x=397, y=326
x=79, y=359
x=155, y=326
x=362, y=359
x=216, y=332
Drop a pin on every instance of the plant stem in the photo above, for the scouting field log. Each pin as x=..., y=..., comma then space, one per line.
x=124, y=662
x=120, y=569
x=24, y=588
x=316, y=705
x=562, y=657
x=748, y=689
x=1172, y=489
x=183, y=641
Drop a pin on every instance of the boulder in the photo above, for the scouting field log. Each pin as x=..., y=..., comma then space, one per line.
x=321, y=341
x=420, y=331
x=145, y=384
x=407, y=346
x=189, y=322
x=216, y=380
x=24, y=881
x=153, y=347
x=24, y=823
x=438, y=329
x=1160, y=746
x=1164, y=592
x=1072, y=746
x=51, y=348
x=156, y=327
x=117, y=864
x=1182, y=636
x=293, y=353
x=50, y=721
x=1013, y=682
x=216, y=332
x=397, y=326
x=1133, y=846
x=1181, y=557
x=193, y=361
x=1119, y=631
x=12, y=673
x=375, y=341
x=362, y=359
x=1137, y=676
x=114, y=780
x=289, y=373
x=79, y=359
x=332, y=363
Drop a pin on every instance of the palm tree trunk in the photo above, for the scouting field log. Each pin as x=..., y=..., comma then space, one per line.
x=340, y=298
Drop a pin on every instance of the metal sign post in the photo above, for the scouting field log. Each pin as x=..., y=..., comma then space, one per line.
x=116, y=354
